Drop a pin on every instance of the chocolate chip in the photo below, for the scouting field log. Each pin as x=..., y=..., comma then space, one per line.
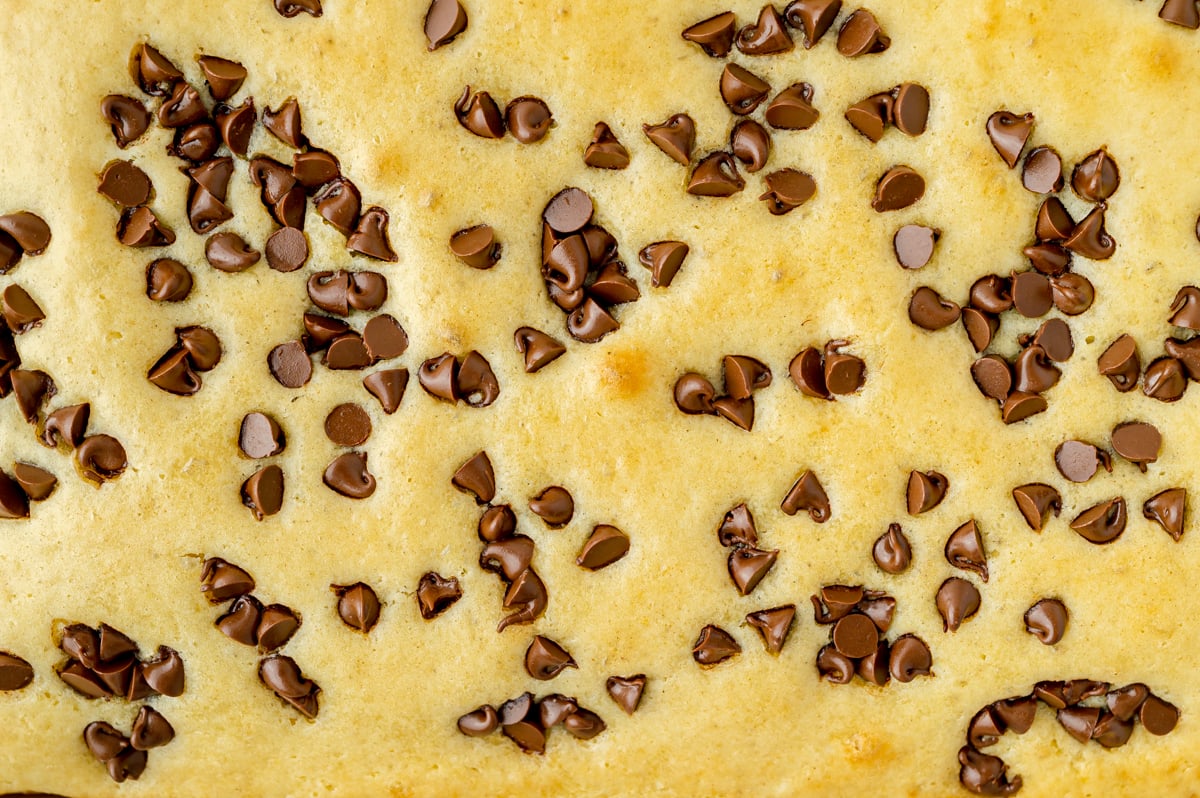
x=128, y=118
x=911, y=110
x=348, y=425
x=224, y=77
x=964, y=549
x=1054, y=223
x=1137, y=442
x=290, y=365
x=16, y=673
x=196, y=142
x=366, y=290
x=1036, y=501
x=287, y=249
x=477, y=384
x=744, y=375
x=566, y=267
x=330, y=291
x=476, y=246
x=993, y=376
x=604, y=546
x=844, y=374
x=742, y=90
x=788, y=189
x=221, y=580
x=1042, y=171
x=1168, y=510
x=139, y=227
x=1047, y=621
x=925, y=491
x=1090, y=239
x=1120, y=363
x=590, y=322
x=873, y=668
x=748, y=566
x=357, y=605
x=1096, y=178
x=957, y=600
x=37, y=483
x=605, y=151
x=1050, y=259
x=739, y=412
x=663, y=259
x=545, y=659
x=1034, y=371
x=716, y=175
x=1124, y=702
x=262, y=493
x=101, y=458
x=236, y=125
x=1008, y=133
x=348, y=475
x=66, y=425
x=1079, y=461
x=855, y=636
x=1101, y=523
x=807, y=370
x=1185, y=309
x=750, y=143
x=1080, y=722
x=792, y=108
x=1159, y=717
x=479, y=114
x=694, y=394
x=714, y=645
x=151, y=71
x=31, y=389
x=583, y=724
x=205, y=211
x=860, y=34
x=125, y=184
x=1020, y=406
x=150, y=730
x=240, y=623
x=174, y=373
x=714, y=35
x=767, y=36
x=981, y=327
x=1180, y=12
x=676, y=137
x=477, y=478
x=347, y=351
x=909, y=658
x=613, y=285
x=370, y=237
x=505, y=553
x=528, y=119
x=899, y=188
x=520, y=722
x=444, y=20
x=538, y=349
x=807, y=494
x=568, y=211
x=21, y=313
x=479, y=722
x=913, y=245
x=527, y=595
x=834, y=666
x=285, y=123
x=813, y=17
x=104, y=741
x=992, y=294
x=436, y=594
x=1032, y=294
x=282, y=675
x=891, y=551
x=872, y=115
x=1165, y=380
x=183, y=108
x=553, y=505
x=260, y=436
x=276, y=626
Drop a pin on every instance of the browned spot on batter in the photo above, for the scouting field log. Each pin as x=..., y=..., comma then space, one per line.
x=624, y=373
x=867, y=747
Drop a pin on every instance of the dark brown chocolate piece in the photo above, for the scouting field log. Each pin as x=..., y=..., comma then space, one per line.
x=101, y=458
x=714, y=645
x=357, y=605
x=128, y=118
x=676, y=137
x=861, y=34
x=911, y=109
x=436, y=594
x=477, y=478
x=1165, y=380
x=1036, y=501
x=1168, y=509
x=240, y=622
x=1158, y=716
x=15, y=672
x=553, y=505
x=370, y=237
x=899, y=188
x=813, y=17
x=1101, y=523
x=1047, y=620
x=479, y=722
x=236, y=125
x=282, y=676
x=538, y=348
x=604, y=546
x=1097, y=178
x=19, y=310
x=528, y=119
x=957, y=600
x=125, y=184
x=1120, y=363
x=716, y=175
x=476, y=246
x=545, y=659
x=479, y=114
x=748, y=566
x=1089, y=237
x=605, y=151
x=750, y=143
x=1009, y=132
x=929, y=311
x=293, y=8
x=964, y=549
x=742, y=90
x=444, y=20
x=140, y=227
x=290, y=365
x=909, y=658
x=262, y=493
x=221, y=580
x=891, y=551
x=1138, y=442
x=807, y=494
x=627, y=691
x=925, y=491
x=224, y=77
x=1042, y=171
x=348, y=475
x=714, y=35
x=287, y=249
x=855, y=635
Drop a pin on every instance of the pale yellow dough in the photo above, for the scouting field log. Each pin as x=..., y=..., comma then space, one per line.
x=600, y=421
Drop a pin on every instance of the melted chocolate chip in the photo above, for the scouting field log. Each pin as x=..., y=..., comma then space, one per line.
x=348, y=425
x=1158, y=716
x=807, y=370
x=545, y=659
x=694, y=394
x=768, y=36
x=913, y=245
x=590, y=322
x=925, y=491
x=538, y=348
x=1101, y=523
x=221, y=580
x=626, y=691
x=150, y=730
x=436, y=594
x=276, y=626
x=716, y=175
x=568, y=211
x=992, y=294
x=748, y=566
x=1168, y=509
x=1054, y=223
x=15, y=673
x=370, y=237
x=872, y=115
x=477, y=478
x=929, y=311
x=1185, y=309
x=742, y=90
x=1042, y=171
x=861, y=34
x=262, y=493
x=240, y=623
x=21, y=313
x=128, y=117
x=101, y=458
x=813, y=17
x=357, y=605
x=899, y=188
x=1079, y=461
x=528, y=119
x=499, y=523
x=476, y=246
x=150, y=69
x=605, y=151
x=1165, y=380
x=891, y=551
x=553, y=505
x=287, y=249
x=750, y=143
x=125, y=184
x=1008, y=133
x=792, y=108
x=1036, y=501
x=282, y=675
x=1090, y=239
x=1120, y=363
x=663, y=259
x=196, y=142
x=1080, y=722
x=1050, y=259
x=139, y=227
x=36, y=482
x=604, y=546
x=444, y=20
x=165, y=672
x=1047, y=621
x=981, y=327
x=957, y=600
x=714, y=35
x=964, y=549
x=1034, y=372
x=1137, y=442
x=348, y=475
x=236, y=125
x=1032, y=294
x=174, y=373
x=347, y=351
x=290, y=365
x=834, y=666
x=909, y=658
x=911, y=110
x=479, y=722
x=260, y=436
x=1096, y=178
x=479, y=114
x=1020, y=406
x=676, y=137
x=714, y=645
x=807, y=494
x=855, y=636
x=788, y=189
x=993, y=376
x=844, y=374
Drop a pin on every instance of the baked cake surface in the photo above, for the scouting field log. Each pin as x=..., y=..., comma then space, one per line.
x=601, y=421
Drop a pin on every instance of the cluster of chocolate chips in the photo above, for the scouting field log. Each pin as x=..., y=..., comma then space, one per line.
x=1079, y=461
x=450, y=379
x=197, y=349
x=747, y=564
x=125, y=756
x=1087, y=709
x=824, y=373
x=859, y=619
x=742, y=376
x=269, y=628
x=526, y=720
x=581, y=268
x=1167, y=376
x=259, y=437
x=1180, y=12
x=905, y=107
x=528, y=119
x=1018, y=386
x=15, y=672
x=99, y=457
x=859, y=34
x=104, y=663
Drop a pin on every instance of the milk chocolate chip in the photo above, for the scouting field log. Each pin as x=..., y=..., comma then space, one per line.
x=357, y=605
x=604, y=546
x=444, y=20
x=807, y=494
x=861, y=34
x=128, y=118
x=676, y=136
x=605, y=151
x=1036, y=501
x=1047, y=621
x=348, y=475
x=899, y=188
x=1168, y=510
x=714, y=35
x=436, y=594
x=957, y=600
x=262, y=493
x=714, y=646
x=1101, y=523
